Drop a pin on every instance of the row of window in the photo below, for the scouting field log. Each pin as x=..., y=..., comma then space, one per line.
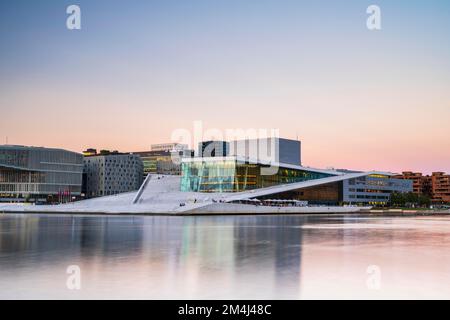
x=43, y=159
x=352, y=196
x=38, y=188
x=16, y=176
x=369, y=190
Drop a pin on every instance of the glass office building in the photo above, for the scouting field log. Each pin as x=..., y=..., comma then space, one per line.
x=39, y=174
x=151, y=159
x=163, y=162
x=229, y=174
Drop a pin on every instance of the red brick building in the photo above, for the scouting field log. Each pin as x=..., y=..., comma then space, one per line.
x=436, y=186
x=440, y=187
x=421, y=183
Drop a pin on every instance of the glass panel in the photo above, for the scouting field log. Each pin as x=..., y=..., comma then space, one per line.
x=231, y=176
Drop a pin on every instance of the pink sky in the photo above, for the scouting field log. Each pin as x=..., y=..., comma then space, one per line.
x=357, y=99
x=389, y=131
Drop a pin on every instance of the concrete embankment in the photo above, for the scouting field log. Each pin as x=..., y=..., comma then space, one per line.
x=404, y=212
x=230, y=208
x=234, y=208
x=219, y=209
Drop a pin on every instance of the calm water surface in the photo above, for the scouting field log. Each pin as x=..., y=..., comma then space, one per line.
x=231, y=257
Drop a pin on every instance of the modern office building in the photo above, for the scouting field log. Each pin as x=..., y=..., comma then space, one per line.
x=262, y=180
x=158, y=162
x=373, y=188
x=112, y=173
x=213, y=149
x=163, y=162
x=164, y=158
x=39, y=175
x=268, y=149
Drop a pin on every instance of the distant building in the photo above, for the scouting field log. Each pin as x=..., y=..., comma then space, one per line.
x=168, y=147
x=112, y=173
x=421, y=183
x=163, y=162
x=213, y=149
x=440, y=184
x=436, y=186
x=39, y=175
x=158, y=162
x=163, y=158
x=373, y=189
x=90, y=152
x=271, y=149
x=268, y=149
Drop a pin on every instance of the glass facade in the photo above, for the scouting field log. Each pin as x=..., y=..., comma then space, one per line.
x=28, y=172
x=160, y=162
x=231, y=175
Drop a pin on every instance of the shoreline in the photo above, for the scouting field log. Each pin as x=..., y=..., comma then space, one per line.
x=364, y=213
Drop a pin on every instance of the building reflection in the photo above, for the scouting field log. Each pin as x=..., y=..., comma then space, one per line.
x=164, y=257
x=68, y=238
x=275, y=243
x=221, y=257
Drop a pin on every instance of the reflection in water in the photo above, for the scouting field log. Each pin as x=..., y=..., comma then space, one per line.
x=236, y=257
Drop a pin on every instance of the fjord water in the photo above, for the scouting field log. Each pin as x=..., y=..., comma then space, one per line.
x=225, y=257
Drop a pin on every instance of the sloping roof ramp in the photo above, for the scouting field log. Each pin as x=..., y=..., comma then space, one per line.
x=299, y=185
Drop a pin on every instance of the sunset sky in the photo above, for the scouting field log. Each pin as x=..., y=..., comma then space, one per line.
x=138, y=70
